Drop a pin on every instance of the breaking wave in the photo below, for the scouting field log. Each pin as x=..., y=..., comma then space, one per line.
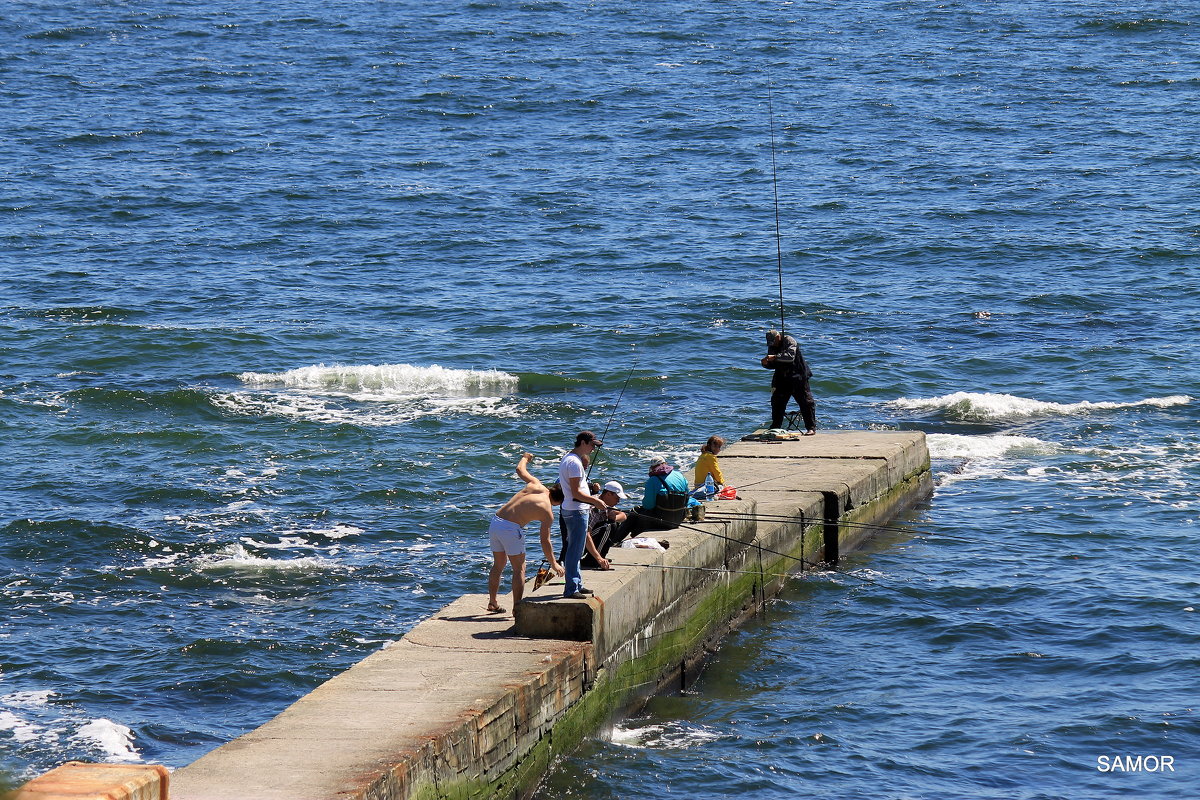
x=111, y=738
x=312, y=409
x=950, y=445
x=982, y=407
x=664, y=736
x=388, y=381
x=237, y=557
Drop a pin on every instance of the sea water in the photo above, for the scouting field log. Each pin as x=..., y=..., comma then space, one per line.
x=289, y=289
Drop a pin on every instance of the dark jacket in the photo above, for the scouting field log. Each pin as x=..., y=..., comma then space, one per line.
x=789, y=361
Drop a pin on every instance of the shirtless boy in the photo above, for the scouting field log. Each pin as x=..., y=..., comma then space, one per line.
x=531, y=504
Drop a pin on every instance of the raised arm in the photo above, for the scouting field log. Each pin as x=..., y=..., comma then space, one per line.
x=523, y=470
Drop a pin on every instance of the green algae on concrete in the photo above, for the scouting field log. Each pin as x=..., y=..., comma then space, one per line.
x=465, y=706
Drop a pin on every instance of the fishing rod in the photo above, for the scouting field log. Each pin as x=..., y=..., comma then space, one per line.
x=775, y=185
x=711, y=569
x=543, y=571
x=718, y=516
x=803, y=561
x=543, y=574
x=612, y=415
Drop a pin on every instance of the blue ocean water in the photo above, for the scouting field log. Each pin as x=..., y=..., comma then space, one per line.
x=289, y=289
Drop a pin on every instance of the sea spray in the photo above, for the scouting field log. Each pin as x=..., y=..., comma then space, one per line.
x=388, y=380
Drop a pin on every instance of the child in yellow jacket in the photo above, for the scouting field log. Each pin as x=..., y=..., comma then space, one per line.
x=707, y=463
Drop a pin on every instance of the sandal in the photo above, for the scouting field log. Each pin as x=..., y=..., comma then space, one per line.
x=495, y=608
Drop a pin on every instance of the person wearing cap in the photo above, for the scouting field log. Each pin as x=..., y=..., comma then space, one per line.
x=572, y=517
x=603, y=525
x=790, y=380
x=664, y=504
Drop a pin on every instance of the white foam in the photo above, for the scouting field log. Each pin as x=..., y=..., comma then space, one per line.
x=388, y=381
x=338, y=531
x=401, y=410
x=28, y=699
x=978, y=407
x=116, y=741
x=236, y=556
x=951, y=445
x=681, y=458
x=284, y=543
x=665, y=736
x=21, y=730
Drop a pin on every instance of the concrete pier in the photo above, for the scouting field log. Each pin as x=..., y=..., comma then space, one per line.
x=469, y=705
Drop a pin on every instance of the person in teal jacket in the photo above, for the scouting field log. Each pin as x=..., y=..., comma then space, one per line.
x=665, y=503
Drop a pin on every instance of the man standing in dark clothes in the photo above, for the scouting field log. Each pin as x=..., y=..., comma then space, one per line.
x=790, y=380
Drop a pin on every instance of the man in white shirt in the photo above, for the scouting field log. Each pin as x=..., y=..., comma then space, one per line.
x=573, y=515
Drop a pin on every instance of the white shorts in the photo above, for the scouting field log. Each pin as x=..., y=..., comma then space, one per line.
x=507, y=537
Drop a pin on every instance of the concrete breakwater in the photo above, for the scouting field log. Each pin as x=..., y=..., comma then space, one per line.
x=469, y=705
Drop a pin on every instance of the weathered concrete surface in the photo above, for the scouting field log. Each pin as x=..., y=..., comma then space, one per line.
x=472, y=705
x=458, y=697
x=858, y=466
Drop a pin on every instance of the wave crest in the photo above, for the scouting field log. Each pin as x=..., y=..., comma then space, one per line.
x=388, y=380
x=981, y=407
x=111, y=738
x=951, y=445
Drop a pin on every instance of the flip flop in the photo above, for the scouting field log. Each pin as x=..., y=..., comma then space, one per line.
x=495, y=608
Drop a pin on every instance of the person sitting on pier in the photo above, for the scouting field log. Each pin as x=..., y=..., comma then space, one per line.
x=707, y=465
x=603, y=525
x=533, y=503
x=665, y=503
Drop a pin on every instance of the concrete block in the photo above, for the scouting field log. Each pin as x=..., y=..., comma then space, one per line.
x=476, y=704
x=76, y=780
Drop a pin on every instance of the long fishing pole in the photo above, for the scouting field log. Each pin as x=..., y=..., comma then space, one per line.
x=612, y=415
x=543, y=572
x=544, y=575
x=804, y=561
x=721, y=516
x=711, y=569
x=775, y=185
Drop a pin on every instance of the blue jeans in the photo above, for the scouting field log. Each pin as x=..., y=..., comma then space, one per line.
x=576, y=532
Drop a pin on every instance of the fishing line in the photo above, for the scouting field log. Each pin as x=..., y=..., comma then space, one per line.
x=756, y=573
x=716, y=515
x=820, y=567
x=543, y=568
x=775, y=185
x=612, y=415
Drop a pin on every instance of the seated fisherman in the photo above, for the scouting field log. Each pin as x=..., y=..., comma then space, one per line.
x=602, y=525
x=664, y=505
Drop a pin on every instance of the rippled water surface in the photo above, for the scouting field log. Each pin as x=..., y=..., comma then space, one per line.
x=289, y=289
